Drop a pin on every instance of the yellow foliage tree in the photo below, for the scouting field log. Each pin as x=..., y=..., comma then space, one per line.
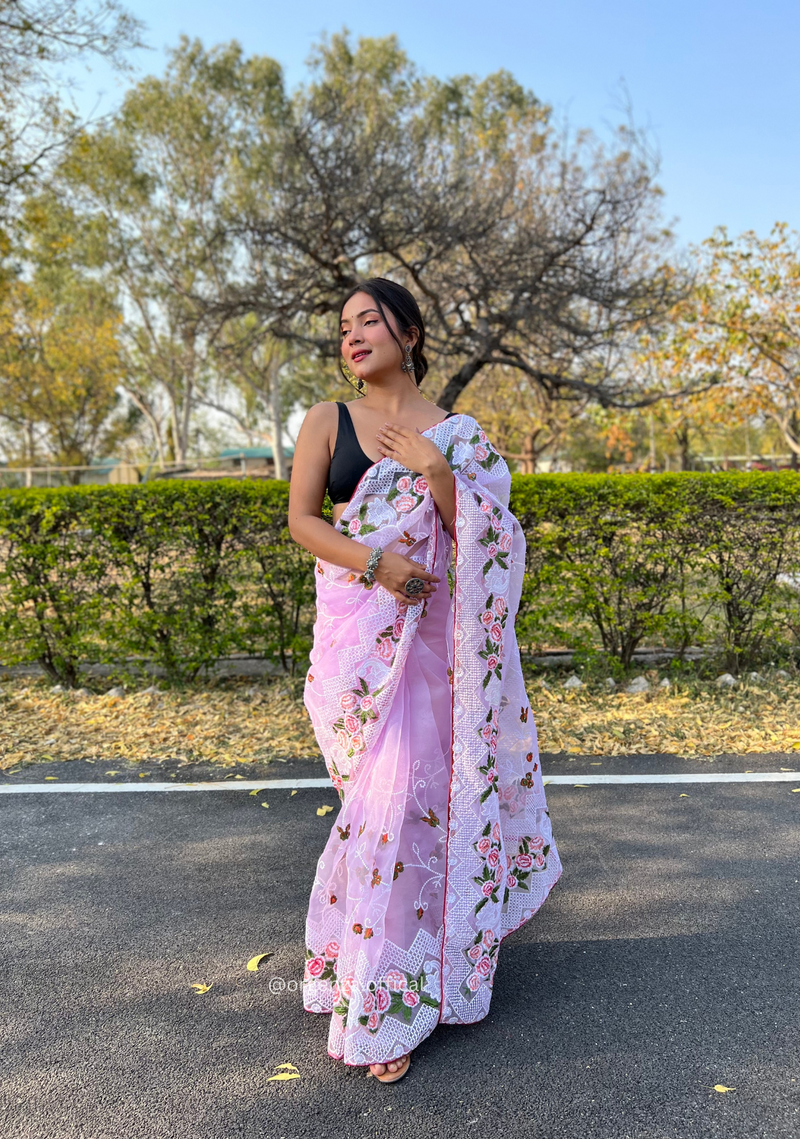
x=59, y=371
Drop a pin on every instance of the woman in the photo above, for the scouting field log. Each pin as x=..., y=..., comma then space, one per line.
x=443, y=843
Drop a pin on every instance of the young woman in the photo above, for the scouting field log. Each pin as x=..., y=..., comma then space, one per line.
x=443, y=843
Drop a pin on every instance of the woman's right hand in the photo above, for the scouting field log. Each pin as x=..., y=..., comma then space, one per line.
x=394, y=570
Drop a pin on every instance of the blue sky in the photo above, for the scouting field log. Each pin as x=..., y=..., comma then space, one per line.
x=717, y=83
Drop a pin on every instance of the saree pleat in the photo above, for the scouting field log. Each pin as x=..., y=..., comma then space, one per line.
x=443, y=844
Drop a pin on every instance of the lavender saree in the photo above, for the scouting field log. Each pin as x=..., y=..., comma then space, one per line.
x=443, y=842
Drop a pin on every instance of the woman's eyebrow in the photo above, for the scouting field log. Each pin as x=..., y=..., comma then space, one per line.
x=358, y=314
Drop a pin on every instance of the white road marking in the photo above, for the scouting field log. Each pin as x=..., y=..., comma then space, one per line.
x=301, y=784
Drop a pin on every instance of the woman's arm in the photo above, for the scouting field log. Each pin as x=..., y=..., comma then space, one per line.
x=310, y=466
x=441, y=482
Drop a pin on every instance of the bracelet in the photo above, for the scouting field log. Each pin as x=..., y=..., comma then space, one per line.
x=368, y=577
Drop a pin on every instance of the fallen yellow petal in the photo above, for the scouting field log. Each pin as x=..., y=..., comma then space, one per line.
x=279, y=1066
x=200, y=988
x=580, y=784
x=787, y=769
x=257, y=791
x=265, y=804
x=112, y=773
x=143, y=774
x=324, y=810
x=254, y=962
x=294, y=792
x=795, y=789
x=722, y=1088
x=683, y=795
x=285, y=1076
x=54, y=778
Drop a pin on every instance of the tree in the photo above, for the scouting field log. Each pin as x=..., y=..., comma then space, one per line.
x=527, y=251
x=59, y=371
x=746, y=323
x=36, y=35
x=150, y=190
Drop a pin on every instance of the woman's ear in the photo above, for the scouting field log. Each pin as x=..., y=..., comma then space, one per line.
x=413, y=336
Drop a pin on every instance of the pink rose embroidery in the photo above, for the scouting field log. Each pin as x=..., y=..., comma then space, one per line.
x=505, y=541
x=358, y=741
x=384, y=649
x=420, y=485
x=348, y=700
x=347, y=988
x=403, y=503
x=351, y=723
x=373, y=1021
x=483, y=845
x=395, y=980
x=480, y=453
x=511, y=881
x=493, y=858
x=536, y=843
x=492, y=549
x=539, y=860
x=404, y=483
x=382, y=999
x=410, y=998
x=496, y=632
x=398, y=627
x=332, y=949
x=369, y=1002
x=484, y=967
x=487, y=617
x=524, y=861
x=488, y=887
x=354, y=526
x=316, y=966
x=474, y=982
x=500, y=604
x=488, y=939
x=486, y=506
x=474, y=953
x=367, y=702
x=492, y=662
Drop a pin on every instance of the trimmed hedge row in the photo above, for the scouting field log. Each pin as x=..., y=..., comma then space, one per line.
x=184, y=573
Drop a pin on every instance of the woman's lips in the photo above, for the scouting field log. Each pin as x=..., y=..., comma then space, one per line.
x=359, y=356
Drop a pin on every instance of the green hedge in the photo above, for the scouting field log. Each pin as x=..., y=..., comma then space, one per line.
x=184, y=573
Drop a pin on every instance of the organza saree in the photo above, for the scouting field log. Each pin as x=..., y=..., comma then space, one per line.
x=443, y=842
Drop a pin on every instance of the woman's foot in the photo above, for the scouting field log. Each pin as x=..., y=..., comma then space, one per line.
x=391, y=1070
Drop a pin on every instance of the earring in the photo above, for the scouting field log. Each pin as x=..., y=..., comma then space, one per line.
x=357, y=383
x=408, y=366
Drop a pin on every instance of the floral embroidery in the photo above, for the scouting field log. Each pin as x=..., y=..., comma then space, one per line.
x=358, y=707
x=482, y=956
x=407, y=493
x=529, y=859
x=398, y=995
x=398, y=869
x=322, y=967
x=488, y=734
x=488, y=847
x=493, y=618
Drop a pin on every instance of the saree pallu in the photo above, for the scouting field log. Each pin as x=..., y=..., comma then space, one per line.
x=443, y=844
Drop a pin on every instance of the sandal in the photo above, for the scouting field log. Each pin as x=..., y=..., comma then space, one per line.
x=388, y=1077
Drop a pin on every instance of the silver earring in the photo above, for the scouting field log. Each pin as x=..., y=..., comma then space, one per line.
x=408, y=366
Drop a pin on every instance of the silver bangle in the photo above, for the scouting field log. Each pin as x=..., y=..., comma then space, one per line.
x=372, y=564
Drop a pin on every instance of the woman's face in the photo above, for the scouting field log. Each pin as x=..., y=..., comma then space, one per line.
x=368, y=348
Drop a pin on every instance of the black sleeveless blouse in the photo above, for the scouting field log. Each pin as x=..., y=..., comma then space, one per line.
x=349, y=462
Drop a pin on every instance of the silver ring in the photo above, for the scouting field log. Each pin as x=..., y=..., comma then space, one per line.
x=415, y=585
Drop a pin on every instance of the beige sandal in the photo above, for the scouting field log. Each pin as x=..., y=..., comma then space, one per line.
x=389, y=1077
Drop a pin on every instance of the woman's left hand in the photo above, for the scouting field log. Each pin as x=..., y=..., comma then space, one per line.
x=411, y=448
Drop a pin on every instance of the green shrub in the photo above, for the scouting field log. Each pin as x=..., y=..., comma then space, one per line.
x=182, y=573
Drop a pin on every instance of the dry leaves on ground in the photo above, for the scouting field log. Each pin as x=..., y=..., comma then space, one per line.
x=230, y=726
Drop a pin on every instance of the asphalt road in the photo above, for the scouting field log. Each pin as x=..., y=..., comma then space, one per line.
x=665, y=961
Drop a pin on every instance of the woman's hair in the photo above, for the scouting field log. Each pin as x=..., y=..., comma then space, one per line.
x=403, y=307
